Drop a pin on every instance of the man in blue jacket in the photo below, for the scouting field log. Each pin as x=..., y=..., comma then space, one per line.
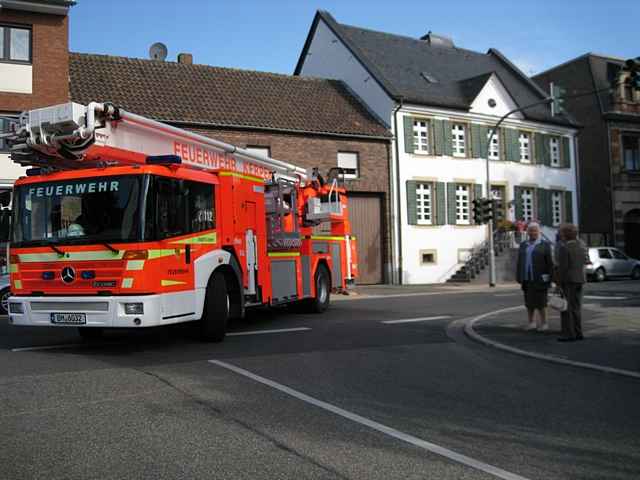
x=535, y=266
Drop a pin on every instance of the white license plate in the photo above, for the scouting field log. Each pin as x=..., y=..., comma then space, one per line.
x=69, y=318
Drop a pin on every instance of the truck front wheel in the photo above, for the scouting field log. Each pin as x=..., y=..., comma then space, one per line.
x=320, y=302
x=215, y=316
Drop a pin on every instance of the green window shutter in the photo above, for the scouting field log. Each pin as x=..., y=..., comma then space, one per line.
x=538, y=140
x=512, y=150
x=568, y=207
x=517, y=198
x=565, y=159
x=479, y=140
x=441, y=207
x=451, y=203
x=546, y=150
x=448, y=138
x=412, y=203
x=408, y=134
x=543, y=201
x=438, y=136
x=477, y=193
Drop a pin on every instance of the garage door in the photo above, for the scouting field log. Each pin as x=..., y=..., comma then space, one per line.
x=365, y=213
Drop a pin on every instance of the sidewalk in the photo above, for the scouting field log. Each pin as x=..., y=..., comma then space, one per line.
x=386, y=289
x=612, y=335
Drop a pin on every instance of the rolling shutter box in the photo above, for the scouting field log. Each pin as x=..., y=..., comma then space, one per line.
x=451, y=203
x=441, y=208
x=412, y=203
x=408, y=134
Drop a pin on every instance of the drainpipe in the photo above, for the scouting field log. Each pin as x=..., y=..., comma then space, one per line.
x=398, y=221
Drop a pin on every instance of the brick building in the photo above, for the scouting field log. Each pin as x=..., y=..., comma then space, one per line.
x=609, y=173
x=34, y=71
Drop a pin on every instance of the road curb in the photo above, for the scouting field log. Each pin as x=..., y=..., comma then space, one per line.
x=472, y=334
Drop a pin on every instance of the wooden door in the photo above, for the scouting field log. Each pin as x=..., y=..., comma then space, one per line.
x=365, y=214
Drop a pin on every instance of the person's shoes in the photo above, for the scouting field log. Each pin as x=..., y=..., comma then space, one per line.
x=531, y=326
x=567, y=339
x=543, y=328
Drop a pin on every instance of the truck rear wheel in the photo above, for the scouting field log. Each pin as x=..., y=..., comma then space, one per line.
x=215, y=316
x=320, y=302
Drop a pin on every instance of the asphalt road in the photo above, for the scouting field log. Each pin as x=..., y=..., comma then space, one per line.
x=346, y=396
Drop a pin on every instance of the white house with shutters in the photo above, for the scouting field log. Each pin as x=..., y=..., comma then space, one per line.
x=440, y=103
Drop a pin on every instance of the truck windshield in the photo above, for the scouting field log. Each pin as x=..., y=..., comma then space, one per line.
x=92, y=210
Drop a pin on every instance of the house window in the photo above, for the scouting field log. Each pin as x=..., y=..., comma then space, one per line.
x=628, y=93
x=631, y=152
x=462, y=204
x=424, y=203
x=264, y=151
x=421, y=136
x=494, y=147
x=348, y=162
x=554, y=149
x=428, y=257
x=15, y=44
x=527, y=204
x=556, y=208
x=5, y=120
x=458, y=139
x=525, y=147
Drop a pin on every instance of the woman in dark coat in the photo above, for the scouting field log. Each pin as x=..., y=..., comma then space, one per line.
x=535, y=266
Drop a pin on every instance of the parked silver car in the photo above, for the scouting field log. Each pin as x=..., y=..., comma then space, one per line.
x=610, y=262
x=4, y=294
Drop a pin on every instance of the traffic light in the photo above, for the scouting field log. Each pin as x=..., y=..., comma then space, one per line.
x=482, y=210
x=476, y=210
x=558, y=95
x=633, y=66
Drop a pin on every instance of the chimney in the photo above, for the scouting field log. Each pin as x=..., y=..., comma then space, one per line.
x=437, y=40
x=185, y=58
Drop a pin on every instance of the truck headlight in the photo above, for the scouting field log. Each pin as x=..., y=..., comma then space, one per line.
x=134, y=308
x=15, y=307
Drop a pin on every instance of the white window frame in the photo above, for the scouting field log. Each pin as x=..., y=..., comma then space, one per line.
x=557, y=203
x=527, y=197
x=421, y=143
x=459, y=139
x=554, y=151
x=494, y=147
x=463, y=203
x=425, y=197
x=350, y=162
x=524, y=140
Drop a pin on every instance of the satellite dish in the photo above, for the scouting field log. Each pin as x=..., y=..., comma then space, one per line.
x=158, y=51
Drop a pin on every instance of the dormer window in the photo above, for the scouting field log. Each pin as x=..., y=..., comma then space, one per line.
x=15, y=44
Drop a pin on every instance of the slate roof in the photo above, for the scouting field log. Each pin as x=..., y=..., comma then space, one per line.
x=221, y=97
x=397, y=62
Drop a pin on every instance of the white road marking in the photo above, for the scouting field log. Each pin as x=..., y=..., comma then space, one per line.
x=602, y=297
x=392, y=432
x=50, y=347
x=259, y=332
x=469, y=330
x=413, y=294
x=412, y=320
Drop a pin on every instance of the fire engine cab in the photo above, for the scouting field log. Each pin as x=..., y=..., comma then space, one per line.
x=123, y=221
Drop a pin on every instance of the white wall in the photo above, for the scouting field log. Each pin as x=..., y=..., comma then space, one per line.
x=327, y=57
x=9, y=171
x=16, y=78
x=447, y=240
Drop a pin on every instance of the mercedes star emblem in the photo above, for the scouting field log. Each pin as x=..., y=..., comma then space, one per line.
x=68, y=274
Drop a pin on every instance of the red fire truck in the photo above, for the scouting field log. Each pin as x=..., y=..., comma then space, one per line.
x=123, y=221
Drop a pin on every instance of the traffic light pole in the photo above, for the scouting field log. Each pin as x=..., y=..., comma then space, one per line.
x=492, y=253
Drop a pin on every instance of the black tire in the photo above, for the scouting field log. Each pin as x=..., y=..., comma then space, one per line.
x=4, y=301
x=91, y=333
x=635, y=273
x=320, y=302
x=215, y=316
x=599, y=275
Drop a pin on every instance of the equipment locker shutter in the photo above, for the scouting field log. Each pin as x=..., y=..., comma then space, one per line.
x=365, y=215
